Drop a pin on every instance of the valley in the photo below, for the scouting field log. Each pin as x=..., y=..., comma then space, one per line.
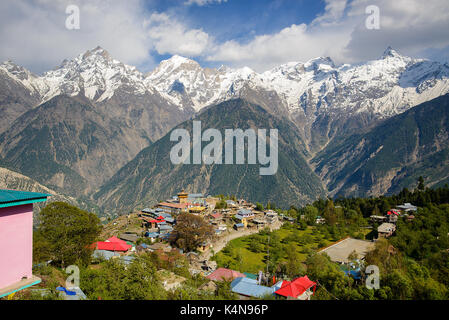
x=96, y=130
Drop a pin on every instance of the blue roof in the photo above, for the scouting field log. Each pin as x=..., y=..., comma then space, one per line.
x=10, y=198
x=165, y=236
x=249, y=287
x=245, y=212
x=104, y=254
x=239, y=225
x=151, y=234
x=127, y=259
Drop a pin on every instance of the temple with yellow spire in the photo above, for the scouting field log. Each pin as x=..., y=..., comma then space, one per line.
x=182, y=196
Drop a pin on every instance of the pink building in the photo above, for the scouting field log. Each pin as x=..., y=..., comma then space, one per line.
x=16, y=240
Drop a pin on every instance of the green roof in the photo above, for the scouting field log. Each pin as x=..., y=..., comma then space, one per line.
x=10, y=198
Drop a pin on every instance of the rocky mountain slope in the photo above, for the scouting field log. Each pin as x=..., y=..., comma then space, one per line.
x=392, y=155
x=69, y=145
x=323, y=99
x=74, y=127
x=151, y=176
x=16, y=181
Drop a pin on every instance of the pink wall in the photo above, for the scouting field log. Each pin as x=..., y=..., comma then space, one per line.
x=16, y=244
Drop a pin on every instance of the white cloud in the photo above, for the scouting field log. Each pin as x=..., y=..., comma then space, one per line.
x=169, y=36
x=202, y=2
x=410, y=26
x=333, y=12
x=33, y=32
x=295, y=43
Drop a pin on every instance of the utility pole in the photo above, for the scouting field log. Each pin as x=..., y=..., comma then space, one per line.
x=268, y=258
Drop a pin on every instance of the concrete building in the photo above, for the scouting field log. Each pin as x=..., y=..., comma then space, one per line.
x=407, y=207
x=16, y=240
x=386, y=230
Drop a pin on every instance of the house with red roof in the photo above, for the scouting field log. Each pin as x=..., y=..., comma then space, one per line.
x=299, y=289
x=223, y=274
x=112, y=244
x=393, y=216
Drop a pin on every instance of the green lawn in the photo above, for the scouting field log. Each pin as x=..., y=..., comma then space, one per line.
x=238, y=254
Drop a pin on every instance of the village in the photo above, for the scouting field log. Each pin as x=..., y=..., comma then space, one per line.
x=149, y=231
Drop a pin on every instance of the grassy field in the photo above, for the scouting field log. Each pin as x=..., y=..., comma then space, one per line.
x=240, y=254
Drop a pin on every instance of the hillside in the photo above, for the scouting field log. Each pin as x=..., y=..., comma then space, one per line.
x=391, y=156
x=68, y=145
x=151, y=176
x=15, y=181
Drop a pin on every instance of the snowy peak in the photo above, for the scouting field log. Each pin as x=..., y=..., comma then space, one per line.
x=97, y=52
x=185, y=83
x=320, y=62
x=386, y=86
x=390, y=53
x=15, y=70
x=96, y=73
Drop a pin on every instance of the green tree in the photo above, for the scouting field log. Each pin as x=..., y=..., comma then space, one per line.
x=67, y=232
x=116, y=281
x=330, y=213
x=421, y=185
x=310, y=213
x=294, y=267
x=191, y=231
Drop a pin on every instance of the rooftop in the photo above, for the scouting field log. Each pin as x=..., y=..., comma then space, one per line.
x=10, y=198
x=173, y=205
x=386, y=227
x=18, y=286
x=226, y=274
x=250, y=287
x=295, y=288
x=407, y=206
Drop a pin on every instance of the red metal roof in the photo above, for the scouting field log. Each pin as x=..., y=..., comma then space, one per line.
x=226, y=274
x=116, y=240
x=295, y=288
x=113, y=246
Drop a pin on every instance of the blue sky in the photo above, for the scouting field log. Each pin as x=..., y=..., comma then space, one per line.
x=239, y=20
x=260, y=34
x=242, y=19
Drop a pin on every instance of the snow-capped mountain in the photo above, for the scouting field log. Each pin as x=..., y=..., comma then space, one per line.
x=95, y=74
x=184, y=81
x=383, y=87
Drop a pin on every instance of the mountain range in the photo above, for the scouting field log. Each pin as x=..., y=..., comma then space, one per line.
x=92, y=127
